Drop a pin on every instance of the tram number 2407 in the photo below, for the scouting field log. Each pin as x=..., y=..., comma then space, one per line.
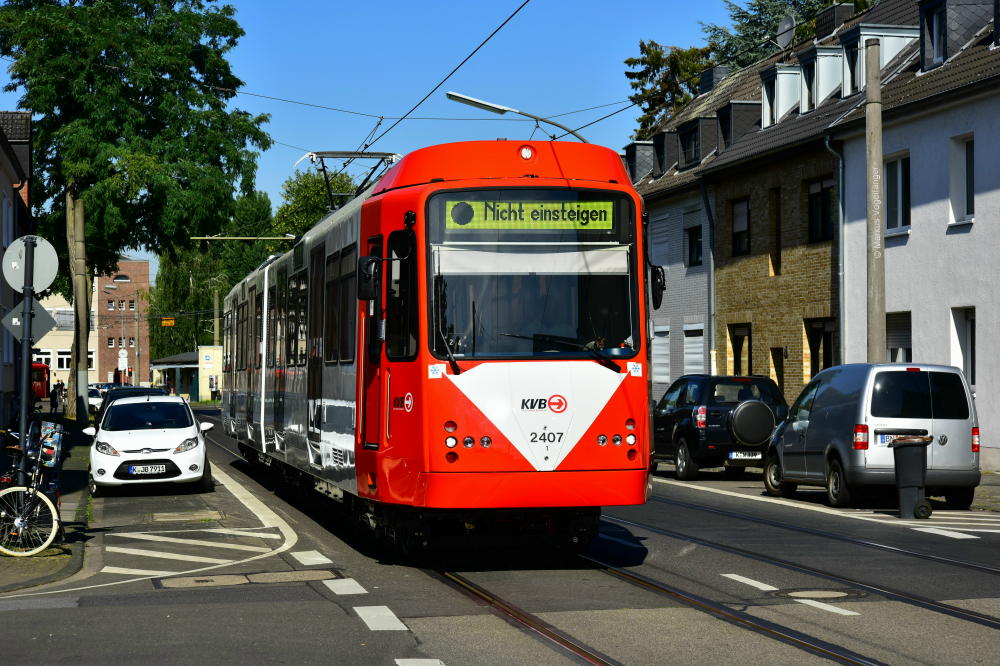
x=546, y=437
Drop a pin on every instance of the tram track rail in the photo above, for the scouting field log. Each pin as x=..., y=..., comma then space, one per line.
x=887, y=592
x=964, y=564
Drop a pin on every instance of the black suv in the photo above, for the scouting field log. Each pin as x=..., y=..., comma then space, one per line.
x=712, y=420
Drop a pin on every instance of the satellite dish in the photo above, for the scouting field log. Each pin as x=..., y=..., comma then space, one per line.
x=786, y=31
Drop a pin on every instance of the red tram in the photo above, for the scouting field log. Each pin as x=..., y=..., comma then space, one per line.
x=461, y=347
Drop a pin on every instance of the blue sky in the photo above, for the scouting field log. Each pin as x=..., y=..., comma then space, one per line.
x=555, y=56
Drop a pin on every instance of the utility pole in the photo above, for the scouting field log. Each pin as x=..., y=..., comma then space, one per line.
x=27, y=397
x=76, y=405
x=875, y=236
x=215, y=319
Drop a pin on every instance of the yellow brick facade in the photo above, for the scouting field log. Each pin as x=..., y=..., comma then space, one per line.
x=789, y=297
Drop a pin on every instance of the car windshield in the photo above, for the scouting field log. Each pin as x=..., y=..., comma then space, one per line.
x=147, y=416
x=94, y=393
x=732, y=391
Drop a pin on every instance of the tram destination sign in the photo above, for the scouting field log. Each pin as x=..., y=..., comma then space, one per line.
x=529, y=215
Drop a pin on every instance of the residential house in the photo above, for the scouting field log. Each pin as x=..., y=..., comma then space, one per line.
x=55, y=348
x=121, y=306
x=941, y=127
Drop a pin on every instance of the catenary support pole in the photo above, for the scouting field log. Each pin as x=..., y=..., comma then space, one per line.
x=875, y=235
x=27, y=398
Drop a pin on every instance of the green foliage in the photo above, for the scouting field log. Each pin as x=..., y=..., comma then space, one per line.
x=305, y=200
x=664, y=80
x=755, y=27
x=130, y=113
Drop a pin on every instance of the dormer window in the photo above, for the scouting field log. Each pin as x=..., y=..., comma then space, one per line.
x=770, y=114
x=936, y=35
x=690, y=139
x=852, y=84
x=781, y=89
x=808, y=87
x=725, y=116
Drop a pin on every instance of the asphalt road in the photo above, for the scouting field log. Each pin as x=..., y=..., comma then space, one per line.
x=253, y=572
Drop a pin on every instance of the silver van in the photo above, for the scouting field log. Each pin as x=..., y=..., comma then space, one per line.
x=838, y=431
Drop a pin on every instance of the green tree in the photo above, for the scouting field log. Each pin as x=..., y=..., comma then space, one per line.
x=305, y=200
x=130, y=102
x=664, y=78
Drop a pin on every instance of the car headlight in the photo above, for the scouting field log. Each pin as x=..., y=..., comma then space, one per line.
x=186, y=445
x=106, y=449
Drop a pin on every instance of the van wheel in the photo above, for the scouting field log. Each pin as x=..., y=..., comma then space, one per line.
x=686, y=468
x=838, y=493
x=773, y=484
x=959, y=498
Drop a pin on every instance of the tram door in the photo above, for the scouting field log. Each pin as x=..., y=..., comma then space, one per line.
x=314, y=364
x=371, y=409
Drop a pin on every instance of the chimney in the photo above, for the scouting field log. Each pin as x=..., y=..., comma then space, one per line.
x=711, y=76
x=639, y=159
x=831, y=18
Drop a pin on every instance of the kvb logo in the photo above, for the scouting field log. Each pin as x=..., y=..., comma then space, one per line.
x=554, y=403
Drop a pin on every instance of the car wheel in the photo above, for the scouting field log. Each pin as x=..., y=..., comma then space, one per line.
x=95, y=490
x=207, y=483
x=838, y=493
x=959, y=498
x=686, y=468
x=773, y=484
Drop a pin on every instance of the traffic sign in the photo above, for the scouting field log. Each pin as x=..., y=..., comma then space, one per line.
x=122, y=353
x=45, y=262
x=167, y=321
x=123, y=363
x=41, y=321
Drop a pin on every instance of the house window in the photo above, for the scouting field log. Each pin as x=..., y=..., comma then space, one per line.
x=936, y=34
x=809, y=87
x=970, y=179
x=770, y=112
x=121, y=305
x=131, y=342
x=898, y=337
x=819, y=333
x=44, y=356
x=778, y=367
x=111, y=305
x=693, y=236
x=63, y=358
x=853, y=71
x=121, y=343
x=741, y=342
x=131, y=305
x=741, y=227
x=694, y=350
x=121, y=278
x=111, y=343
x=897, y=194
x=690, y=145
x=964, y=320
x=660, y=346
x=774, y=201
x=821, y=210
x=90, y=359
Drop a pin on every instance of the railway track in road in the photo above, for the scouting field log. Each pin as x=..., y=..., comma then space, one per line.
x=887, y=592
x=590, y=655
x=973, y=566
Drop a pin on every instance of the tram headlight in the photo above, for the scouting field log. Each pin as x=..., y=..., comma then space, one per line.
x=450, y=442
x=486, y=442
x=468, y=442
x=630, y=438
x=630, y=424
x=617, y=439
x=602, y=440
x=450, y=426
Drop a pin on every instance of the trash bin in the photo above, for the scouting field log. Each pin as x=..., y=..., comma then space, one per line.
x=910, y=455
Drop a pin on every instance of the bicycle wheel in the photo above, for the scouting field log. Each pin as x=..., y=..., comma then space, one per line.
x=28, y=521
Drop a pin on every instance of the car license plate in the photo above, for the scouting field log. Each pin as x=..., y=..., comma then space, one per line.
x=744, y=455
x=147, y=469
x=885, y=440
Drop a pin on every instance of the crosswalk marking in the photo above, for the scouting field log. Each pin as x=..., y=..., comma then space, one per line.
x=827, y=607
x=256, y=535
x=947, y=533
x=751, y=582
x=190, y=542
x=380, y=618
x=136, y=572
x=419, y=662
x=345, y=586
x=164, y=555
x=310, y=557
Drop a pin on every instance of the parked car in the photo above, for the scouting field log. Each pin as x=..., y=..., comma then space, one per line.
x=125, y=392
x=94, y=399
x=714, y=420
x=148, y=439
x=838, y=431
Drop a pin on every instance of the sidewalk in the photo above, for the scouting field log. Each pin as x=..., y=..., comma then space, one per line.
x=64, y=558
x=988, y=493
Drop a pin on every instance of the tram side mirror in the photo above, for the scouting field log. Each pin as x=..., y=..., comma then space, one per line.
x=658, y=283
x=368, y=268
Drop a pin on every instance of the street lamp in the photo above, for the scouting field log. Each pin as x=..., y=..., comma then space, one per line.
x=500, y=109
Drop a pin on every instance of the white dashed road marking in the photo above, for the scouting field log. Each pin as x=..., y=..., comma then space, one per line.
x=136, y=572
x=947, y=533
x=419, y=662
x=256, y=535
x=380, y=618
x=310, y=557
x=345, y=586
x=188, y=542
x=827, y=607
x=164, y=555
x=749, y=581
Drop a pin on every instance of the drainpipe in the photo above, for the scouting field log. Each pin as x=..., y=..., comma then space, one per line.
x=711, y=277
x=841, y=222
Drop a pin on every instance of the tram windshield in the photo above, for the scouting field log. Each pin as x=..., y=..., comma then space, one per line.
x=532, y=273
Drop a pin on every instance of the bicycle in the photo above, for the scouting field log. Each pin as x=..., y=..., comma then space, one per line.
x=29, y=520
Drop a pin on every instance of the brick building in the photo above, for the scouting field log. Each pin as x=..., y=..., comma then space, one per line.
x=121, y=305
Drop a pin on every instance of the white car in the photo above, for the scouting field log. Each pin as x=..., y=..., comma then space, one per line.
x=148, y=439
x=94, y=399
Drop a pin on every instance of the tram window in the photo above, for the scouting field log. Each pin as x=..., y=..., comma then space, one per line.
x=272, y=318
x=293, y=322
x=401, y=297
x=348, y=303
x=248, y=329
x=302, y=305
x=280, y=292
x=227, y=328
x=241, y=327
x=331, y=332
x=258, y=329
x=316, y=302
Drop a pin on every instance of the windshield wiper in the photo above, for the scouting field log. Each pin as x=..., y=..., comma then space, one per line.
x=598, y=356
x=451, y=357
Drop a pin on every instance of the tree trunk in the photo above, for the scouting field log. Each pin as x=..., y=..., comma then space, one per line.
x=76, y=403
